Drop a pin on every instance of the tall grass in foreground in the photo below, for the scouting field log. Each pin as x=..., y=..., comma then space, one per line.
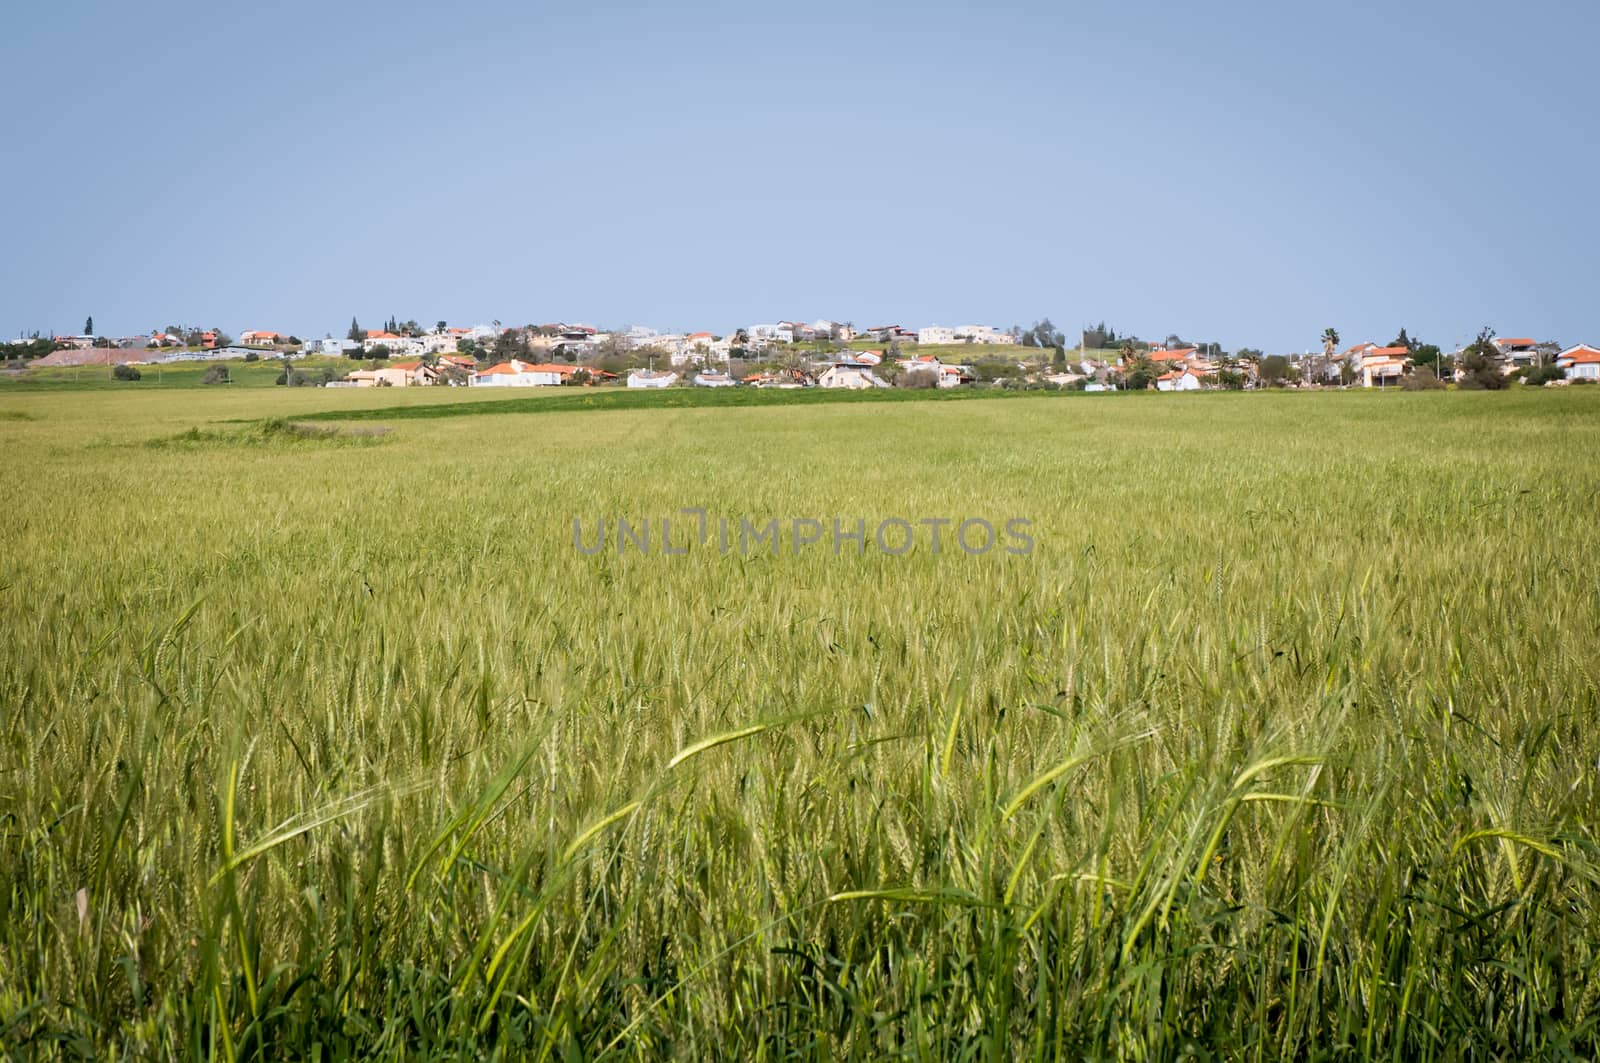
x=1280, y=746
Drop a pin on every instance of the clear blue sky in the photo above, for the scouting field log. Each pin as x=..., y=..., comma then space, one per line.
x=1244, y=172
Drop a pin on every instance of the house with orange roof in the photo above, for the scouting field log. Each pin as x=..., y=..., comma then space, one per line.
x=395, y=375
x=953, y=376
x=520, y=374
x=256, y=338
x=851, y=374
x=395, y=343
x=1581, y=362
x=1175, y=355
x=1517, y=351
x=1183, y=379
x=1381, y=367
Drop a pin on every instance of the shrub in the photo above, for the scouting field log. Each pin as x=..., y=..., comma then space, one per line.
x=1424, y=379
x=217, y=374
x=252, y=356
x=1539, y=375
x=125, y=372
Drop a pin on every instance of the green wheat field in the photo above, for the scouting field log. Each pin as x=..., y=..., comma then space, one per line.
x=322, y=741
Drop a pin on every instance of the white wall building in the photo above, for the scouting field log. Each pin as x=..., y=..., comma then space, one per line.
x=981, y=334
x=851, y=375
x=1580, y=363
x=644, y=378
x=760, y=334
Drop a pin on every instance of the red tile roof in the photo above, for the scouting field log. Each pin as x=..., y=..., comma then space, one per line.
x=1582, y=354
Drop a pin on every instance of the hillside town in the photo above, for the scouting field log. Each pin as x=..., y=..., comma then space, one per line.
x=821, y=353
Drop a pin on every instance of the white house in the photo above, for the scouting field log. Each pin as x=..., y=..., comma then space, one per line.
x=1382, y=366
x=953, y=376
x=936, y=334
x=1580, y=363
x=700, y=347
x=1179, y=380
x=646, y=378
x=762, y=334
x=329, y=345
x=399, y=375
x=981, y=334
x=853, y=375
x=1517, y=351
x=518, y=374
x=710, y=379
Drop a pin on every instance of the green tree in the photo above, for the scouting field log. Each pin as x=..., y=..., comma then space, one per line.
x=1141, y=373
x=356, y=332
x=1274, y=370
x=1480, y=365
x=88, y=325
x=1330, y=341
x=510, y=344
x=1426, y=354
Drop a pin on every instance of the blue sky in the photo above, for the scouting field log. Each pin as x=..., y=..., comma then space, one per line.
x=1242, y=172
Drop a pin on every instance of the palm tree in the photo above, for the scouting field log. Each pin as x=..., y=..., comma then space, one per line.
x=1330, y=341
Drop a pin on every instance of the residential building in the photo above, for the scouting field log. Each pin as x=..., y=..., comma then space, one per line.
x=760, y=335
x=1180, y=380
x=1175, y=355
x=852, y=374
x=415, y=372
x=399, y=375
x=936, y=334
x=257, y=338
x=699, y=347
x=890, y=333
x=981, y=334
x=713, y=379
x=646, y=378
x=1380, y=367
x=519, y=374
x=1518, y=351
x=953, y=376
x=1580, y=363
